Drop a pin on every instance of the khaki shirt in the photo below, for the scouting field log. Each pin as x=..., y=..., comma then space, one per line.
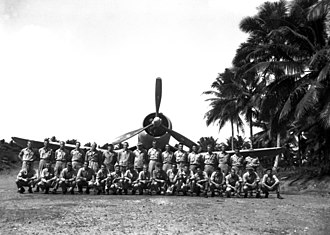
x=101, y=175
x=61, y=155
x=181, y=156
x=109, y=157
x=46, y=154
x=47, y=174
x=77, y=155
x=24, y=174
x=237, y=160
x=93, y=156
x=67, y=175
x=154, y=154
x=251, y=178
x=223, y=158
x=88, y=174
x=140, y=158
x=210, y=159
x=144, y=175
x=202, y=176
x=159, y=174
x=126, y=158
x=172, y=175
x=131, y=174
x=194, y=158
x=168, y=157
x=27, y=154
x=252, y=162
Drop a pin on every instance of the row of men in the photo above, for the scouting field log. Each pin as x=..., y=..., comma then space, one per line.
x=171, y=182
x=208, y=161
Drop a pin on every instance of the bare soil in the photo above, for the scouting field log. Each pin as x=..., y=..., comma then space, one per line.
x=38, y=213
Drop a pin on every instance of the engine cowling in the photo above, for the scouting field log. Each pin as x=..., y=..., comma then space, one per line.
x=155, y=132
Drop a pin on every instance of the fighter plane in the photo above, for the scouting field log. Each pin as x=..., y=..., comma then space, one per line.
x=157, y=126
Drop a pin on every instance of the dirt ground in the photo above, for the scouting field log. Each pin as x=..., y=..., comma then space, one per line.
x=91, y=214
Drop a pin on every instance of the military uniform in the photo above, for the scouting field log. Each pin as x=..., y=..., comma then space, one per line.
x=26, y=178
x=154, y=155
x=210, y=162
x=143, y=182
x=68, y=180
x=217, y=182
x=101, y=180
x=61, y=158
x=109, y=160
x=237, y=163
x=223, y=160
x=117, y=182
x=181, y=158
x=252, y=162
x=27, y=155
x=130, y=177
x=172, y=180
x=85, y=178
x=270, y=183
x=184, y=180
x=167, y=160
x=233, y=184
x=140, y=159
x=48, y=179
x=159, y=180
x=46, y=155
x=94, y=159
x=77, y=158
x=200, y=182
x=251, y=182
x=195, y=160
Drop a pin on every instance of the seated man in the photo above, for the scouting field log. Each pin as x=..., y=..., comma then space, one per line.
x=27, y=177
x=159, y=179
x=217, y=182
x=251, y=182
x=85, y=178
x=200, y=182
x=172, y=175
x=101, y=180
x=233, y=183
x=270, y=183
x=184, y=178
x=143, y=181
x=131, y=176
x=117, y=180
x=68, y=179
x=48, y=178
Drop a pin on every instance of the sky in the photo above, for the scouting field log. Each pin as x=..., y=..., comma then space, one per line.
x=86, y=69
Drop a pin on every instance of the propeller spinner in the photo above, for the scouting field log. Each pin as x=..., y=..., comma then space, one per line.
x=155, y=125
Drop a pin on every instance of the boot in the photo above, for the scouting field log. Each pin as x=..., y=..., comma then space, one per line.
x=30, y=190
x=279, y=196
x=266, y=194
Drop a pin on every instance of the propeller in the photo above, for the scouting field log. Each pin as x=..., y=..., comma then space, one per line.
x=130, y=134
x=182, y=139
x=158, y=94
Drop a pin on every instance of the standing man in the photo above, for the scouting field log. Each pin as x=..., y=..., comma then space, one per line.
x=46, y=155
x=125, y=158
x=194, y=158
x=223, y=159
x=140, y=157
x=61, y=157
x=77, y=157
x=27, y=155
x=154, y=155
x=93, y=157
x=26, y=178
x=181, y=157
x=85, y=178
x=270, y=183
x=236, y=161
x=167, y=158
x=210, y=161
x=68, y=179
x=252, y=161
x=110, y=158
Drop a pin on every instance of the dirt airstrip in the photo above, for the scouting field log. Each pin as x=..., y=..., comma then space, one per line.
x=91, y=214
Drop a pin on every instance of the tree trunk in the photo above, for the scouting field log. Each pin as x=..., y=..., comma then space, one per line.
x=277, y=158
x=232, y=133
x=251, y=131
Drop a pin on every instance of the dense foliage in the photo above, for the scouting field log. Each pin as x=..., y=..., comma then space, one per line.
x=280, y=80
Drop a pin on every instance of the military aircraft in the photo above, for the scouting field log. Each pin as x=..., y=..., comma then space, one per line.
x=156, y=126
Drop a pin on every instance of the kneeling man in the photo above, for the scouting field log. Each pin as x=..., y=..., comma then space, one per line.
x=68, y=179
x=200, y=182
x=233, y=183
x=270, y=183
x=27, y=177
x=251, y=182
x=217, y=182
x=85, y=178
x=159, y=179
x=48, y=178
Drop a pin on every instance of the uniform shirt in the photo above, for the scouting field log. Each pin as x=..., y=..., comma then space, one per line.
x=47, y=174
x=223, y=158
x=45, y=154
x=202, y=176
x=233, y=179
x=171, y=175
x=24, y=174
x=154, y=154
x=217, y=177
x=77, y=155
x=185, y=175
x=269, y=179
x=140, y=158
x=252, y=162
x=101, y=175
x=180, y=156
x=144, y=175
x=115, y=176
x=210, y=159
x=194, y=158
x=250, y=178
x=236, y=160
x=126, y=158
x=159, y=174
x=93, y=156
x=27, y=154
x=132, y=175
x=61, y=155
x=88, y=174
x=168, y=157
x=67, y=175
x=109, y=157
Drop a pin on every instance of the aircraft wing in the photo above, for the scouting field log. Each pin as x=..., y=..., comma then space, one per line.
x=261, y=153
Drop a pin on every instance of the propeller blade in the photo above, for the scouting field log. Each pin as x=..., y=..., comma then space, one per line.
x=158, y=94
x=182, y=139
x=129, y=135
